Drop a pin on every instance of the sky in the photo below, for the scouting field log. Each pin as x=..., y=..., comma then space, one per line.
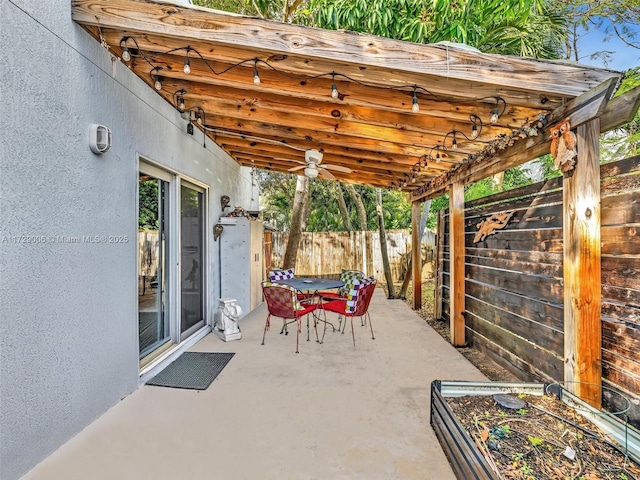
x=623, y=58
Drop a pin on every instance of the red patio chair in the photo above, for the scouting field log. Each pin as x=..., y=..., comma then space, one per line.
x=282, y=275
x=348, y=277
x=283, y=302
x=355, y=305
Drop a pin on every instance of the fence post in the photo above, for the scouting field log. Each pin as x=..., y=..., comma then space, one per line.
x=582, y=277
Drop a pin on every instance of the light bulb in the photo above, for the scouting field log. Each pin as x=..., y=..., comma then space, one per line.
x=158, y=85
x=454, y=144
x=311, y=172
x=494, y=116
x=126, y=56
x=187, y=66
x=334, y=91
x=181, y=103
x=474, y=132
x=199, y=119
x=415, y=108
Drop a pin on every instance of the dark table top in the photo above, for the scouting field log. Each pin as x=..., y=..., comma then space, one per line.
x=313, y=284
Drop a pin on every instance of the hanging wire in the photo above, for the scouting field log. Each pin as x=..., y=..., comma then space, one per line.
x=477, y=124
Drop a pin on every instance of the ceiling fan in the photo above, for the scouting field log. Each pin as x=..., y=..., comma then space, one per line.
x=312, y=168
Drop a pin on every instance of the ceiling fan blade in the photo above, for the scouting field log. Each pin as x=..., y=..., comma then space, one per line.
x=326, y=174
x=337, y=168
x=293, y=169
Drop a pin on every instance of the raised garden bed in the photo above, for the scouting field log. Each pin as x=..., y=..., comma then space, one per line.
x=531, y=431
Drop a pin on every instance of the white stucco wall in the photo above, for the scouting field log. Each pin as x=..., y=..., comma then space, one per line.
x=68, y=312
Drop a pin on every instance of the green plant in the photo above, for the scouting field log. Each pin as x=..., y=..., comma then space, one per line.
x=522, y=411
x=535, y=441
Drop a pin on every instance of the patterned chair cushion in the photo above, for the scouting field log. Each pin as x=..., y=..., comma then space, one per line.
x=352, y=294
x=279, y=274
x=284, y=296
x=348, y=277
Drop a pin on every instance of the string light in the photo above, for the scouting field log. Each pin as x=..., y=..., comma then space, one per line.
x=126, y=55
x=437, y=149
x=334, y=89
x=256, y=76
x=496, y=112
x=476, y=126
x=415, y=107
x=178, y=98
x=156, y=78
x=476, y=122
x=187, y=64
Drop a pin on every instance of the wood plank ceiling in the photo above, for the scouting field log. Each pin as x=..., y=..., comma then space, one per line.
x=370, y=127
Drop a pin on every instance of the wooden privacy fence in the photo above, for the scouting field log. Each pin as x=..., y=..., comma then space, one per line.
x=327, y=253
x=514, y=281
x=147, y=258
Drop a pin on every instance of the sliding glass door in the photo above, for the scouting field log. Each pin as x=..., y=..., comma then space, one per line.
x=171, y=261
x=153, y=274
x=192, y=248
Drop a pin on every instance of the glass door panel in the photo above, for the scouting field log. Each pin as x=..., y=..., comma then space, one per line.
x=153, y=209
x=191, y=259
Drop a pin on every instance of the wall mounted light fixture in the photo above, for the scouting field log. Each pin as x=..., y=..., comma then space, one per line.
x=99, y=138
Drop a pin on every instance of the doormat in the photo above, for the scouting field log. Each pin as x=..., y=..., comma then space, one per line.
x=193, y=370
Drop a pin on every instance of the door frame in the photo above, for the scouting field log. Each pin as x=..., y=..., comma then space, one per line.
x=202, y=188
x=144, y=164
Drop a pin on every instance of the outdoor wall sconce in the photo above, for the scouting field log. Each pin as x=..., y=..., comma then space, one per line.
x=217, y=231
x=99, y=138
x=225, y=201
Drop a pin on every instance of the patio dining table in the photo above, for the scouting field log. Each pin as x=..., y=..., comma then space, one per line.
x=310, y=284
x=314, y=285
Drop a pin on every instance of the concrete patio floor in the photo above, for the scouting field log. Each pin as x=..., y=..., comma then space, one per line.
x=330, y=412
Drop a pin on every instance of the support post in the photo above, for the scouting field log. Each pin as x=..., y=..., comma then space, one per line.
x=456, y=262
x=582, y=282
x=439, y=268
x=416, y=260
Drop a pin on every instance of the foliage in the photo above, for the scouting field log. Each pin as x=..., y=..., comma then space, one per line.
x=293, y=11
x=324, y=215
x=548, y=168
x=437, y=204
x=148, y=205
x=277, y=193
x=624, y=141
x=513, y=178
x=512, y=27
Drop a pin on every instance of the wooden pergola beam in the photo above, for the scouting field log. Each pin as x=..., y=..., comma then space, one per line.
x=587, y=106
x=332, y=154
x=360, y=51
x=299, y=68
